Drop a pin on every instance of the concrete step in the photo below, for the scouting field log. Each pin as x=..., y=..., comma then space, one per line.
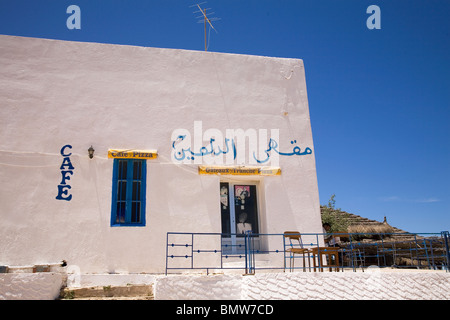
x=128, y=292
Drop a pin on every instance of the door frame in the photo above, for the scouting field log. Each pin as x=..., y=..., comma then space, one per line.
x=232, y=182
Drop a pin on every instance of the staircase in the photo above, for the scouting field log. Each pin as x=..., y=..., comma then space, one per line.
x=128, y=292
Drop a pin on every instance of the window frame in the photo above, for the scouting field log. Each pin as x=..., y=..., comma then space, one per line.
x=129, y=193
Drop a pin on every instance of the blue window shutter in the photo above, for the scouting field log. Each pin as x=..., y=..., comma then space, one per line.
x=128, y=192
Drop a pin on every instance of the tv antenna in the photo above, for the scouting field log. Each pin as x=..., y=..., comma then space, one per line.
x=205, y=20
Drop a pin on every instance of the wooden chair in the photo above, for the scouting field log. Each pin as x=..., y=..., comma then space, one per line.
x=332, y=258
x=293, y=249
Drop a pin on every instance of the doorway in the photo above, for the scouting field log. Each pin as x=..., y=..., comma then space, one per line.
x=239, y=214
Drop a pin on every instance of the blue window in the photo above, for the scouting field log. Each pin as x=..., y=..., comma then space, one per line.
x=128, y=196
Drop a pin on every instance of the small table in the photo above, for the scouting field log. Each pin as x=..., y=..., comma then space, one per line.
x=330, y=252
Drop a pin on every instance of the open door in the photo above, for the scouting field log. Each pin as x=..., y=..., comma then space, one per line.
x=239, y=214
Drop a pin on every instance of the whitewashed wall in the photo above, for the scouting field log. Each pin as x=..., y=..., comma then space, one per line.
x=375, y=285
x=372, y=285
x=30, y=286
x=57, y=93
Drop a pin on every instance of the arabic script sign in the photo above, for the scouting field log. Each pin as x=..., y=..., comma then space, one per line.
x=236, y=147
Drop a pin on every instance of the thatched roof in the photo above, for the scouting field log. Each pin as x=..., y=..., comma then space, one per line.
x=358, y=224
x=398, y=247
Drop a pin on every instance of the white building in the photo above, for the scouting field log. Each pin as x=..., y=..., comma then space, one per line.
x=185, y=141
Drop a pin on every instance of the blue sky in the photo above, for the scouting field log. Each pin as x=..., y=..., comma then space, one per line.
x=379, y=99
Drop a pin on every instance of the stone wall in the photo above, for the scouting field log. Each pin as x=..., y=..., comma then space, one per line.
x=370, y=285
x=30, y=286
x=375, y=285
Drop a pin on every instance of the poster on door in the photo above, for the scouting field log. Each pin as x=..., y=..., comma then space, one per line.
x=245, y=209
x=224, y=196
x=242, y=192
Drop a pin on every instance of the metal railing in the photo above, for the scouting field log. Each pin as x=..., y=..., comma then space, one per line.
x=217, y=252
x=189, y=251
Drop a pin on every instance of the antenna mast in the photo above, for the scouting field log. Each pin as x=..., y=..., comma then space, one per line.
x=205, y=19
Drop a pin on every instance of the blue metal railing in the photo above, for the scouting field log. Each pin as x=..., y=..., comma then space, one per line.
x=183, y=246
x=217, y=252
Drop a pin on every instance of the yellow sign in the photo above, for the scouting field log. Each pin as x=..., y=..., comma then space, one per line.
x=242, y=171
x=132, y=154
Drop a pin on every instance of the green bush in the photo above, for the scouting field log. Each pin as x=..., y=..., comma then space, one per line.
x=330, y=215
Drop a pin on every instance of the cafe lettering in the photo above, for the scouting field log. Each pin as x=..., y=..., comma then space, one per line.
x=66, y=171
